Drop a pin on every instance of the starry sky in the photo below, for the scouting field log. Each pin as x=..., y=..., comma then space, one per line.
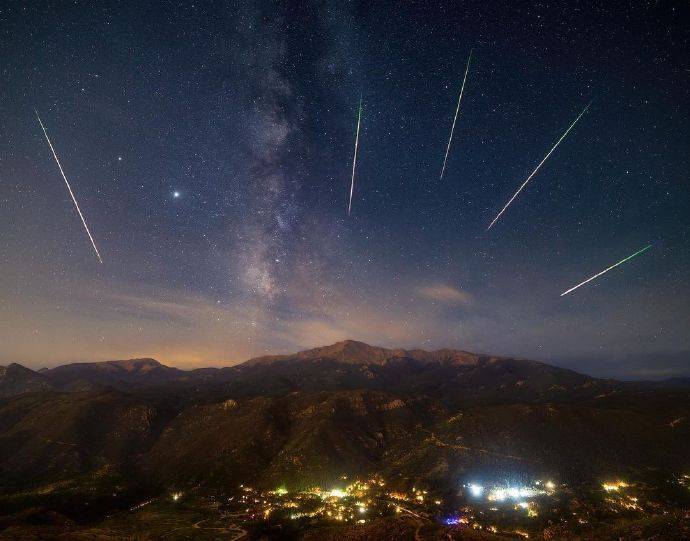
x=210, y=148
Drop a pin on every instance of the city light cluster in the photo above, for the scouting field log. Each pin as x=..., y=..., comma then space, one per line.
x=509, y=508
x=615, y=486
x=354, y=502
x=510, y=492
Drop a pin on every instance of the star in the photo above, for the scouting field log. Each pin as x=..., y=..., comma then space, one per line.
x=176, y=194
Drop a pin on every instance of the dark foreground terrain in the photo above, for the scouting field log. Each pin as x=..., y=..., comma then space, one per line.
x=343, y=442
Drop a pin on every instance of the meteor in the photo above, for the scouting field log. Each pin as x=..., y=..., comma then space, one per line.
x=69, y=188
x=538, y=166
x=607, y=270
x=455, y=118
x=354, y=160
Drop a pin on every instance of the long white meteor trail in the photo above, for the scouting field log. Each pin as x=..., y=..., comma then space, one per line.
x=455, y=118
x=354, y=159
x=538, y=166
x=607, y=270
x=69, y=188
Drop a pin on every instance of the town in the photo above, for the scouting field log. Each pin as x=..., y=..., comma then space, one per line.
x=525, y=510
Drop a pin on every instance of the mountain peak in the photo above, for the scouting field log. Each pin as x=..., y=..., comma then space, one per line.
x=141, y=366
x=16, y=368
x=345, y=351
x=354, y=352
x=16, y=379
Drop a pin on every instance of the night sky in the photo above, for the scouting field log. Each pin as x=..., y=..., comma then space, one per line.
x=210, y=148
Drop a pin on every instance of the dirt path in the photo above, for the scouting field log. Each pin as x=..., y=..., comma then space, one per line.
x=464, y=448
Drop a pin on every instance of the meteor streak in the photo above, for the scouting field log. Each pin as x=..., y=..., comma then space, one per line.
x=455, y=118
x=69, y=188
x=607, y=270
x=354, y=160
x=538, y=166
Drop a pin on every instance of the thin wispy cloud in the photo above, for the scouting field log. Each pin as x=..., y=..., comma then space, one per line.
x=446, y=294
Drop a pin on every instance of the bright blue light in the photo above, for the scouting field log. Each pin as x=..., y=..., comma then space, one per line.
x=475, y=490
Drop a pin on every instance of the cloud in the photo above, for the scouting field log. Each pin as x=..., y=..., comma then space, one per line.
x=445, y=294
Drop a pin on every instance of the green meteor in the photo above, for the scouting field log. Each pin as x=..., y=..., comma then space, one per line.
x=607, y=270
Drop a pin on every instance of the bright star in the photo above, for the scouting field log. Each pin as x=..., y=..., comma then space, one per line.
x=176, y=195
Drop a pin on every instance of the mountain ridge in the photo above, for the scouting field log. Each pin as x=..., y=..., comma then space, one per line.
x=348, y=364
x=345, y=351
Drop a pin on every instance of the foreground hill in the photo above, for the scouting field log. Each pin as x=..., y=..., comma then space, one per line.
x=314, y=437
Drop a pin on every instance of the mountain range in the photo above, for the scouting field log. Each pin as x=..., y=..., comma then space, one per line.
x=347, y=364
x=413, y=416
